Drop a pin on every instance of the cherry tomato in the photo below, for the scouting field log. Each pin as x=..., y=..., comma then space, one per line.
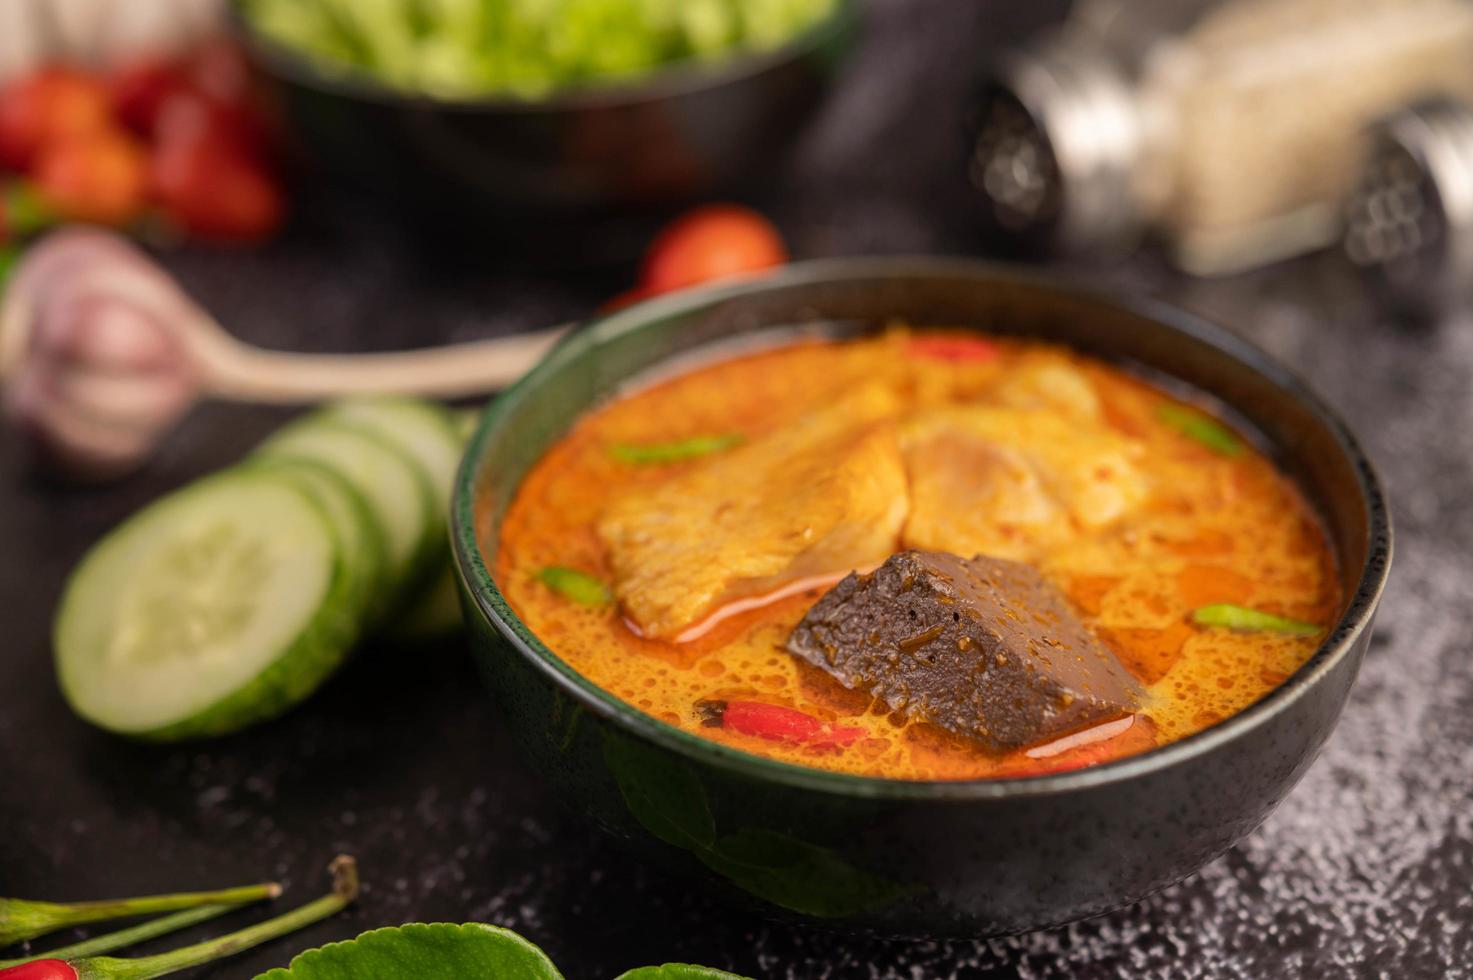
x=711, y=242
x=214, y=191
x=100, y=176
x=140, y=89
x=48, y=105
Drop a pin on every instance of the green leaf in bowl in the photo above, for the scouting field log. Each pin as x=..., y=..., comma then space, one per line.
x=433, y=951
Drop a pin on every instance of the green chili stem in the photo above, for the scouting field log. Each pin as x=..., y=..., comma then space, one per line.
x=122, y=938
x=345, y=889
x=21, y=920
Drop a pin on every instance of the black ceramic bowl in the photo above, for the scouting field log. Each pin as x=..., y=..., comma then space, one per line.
x=653, y=142
x=918, y=858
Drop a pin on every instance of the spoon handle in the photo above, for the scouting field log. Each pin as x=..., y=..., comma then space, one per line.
x=249, y=374
x=225, y=367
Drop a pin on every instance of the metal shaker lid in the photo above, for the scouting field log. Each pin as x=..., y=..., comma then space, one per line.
x=1409, y=220
x=1056, y=138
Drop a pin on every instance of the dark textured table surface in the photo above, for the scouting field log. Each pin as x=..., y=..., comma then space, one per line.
x=1366, y=870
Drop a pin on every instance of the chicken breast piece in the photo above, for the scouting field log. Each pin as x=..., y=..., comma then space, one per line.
x=1010, y=482
x=821, y=498
x=1048, y=381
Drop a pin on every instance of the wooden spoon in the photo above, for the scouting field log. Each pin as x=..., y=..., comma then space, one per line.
x=101, y=353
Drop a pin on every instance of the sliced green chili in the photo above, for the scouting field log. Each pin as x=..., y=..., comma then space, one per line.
x=576, y=585
x=672, y=452
x=1195, y=425
x=1232, y=617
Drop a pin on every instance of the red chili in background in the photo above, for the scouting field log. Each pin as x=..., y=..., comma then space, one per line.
x=777, y=723
x=955, y=349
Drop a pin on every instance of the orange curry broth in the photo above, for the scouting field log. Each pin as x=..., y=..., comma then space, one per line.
x=1216, y=528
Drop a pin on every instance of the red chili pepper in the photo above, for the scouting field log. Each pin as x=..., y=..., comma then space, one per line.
x=41, y=970
x=779, y=724
x=950, y=348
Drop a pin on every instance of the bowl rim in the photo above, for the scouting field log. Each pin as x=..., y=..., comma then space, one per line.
x=492, y=606
x=674, y=80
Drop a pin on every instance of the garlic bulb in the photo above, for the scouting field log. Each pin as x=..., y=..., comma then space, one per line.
x=94, y=353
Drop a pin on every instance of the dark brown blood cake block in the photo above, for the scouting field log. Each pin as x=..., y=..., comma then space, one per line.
x=985, y=648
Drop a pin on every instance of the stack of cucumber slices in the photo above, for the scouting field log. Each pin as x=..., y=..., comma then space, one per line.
x=232, y=599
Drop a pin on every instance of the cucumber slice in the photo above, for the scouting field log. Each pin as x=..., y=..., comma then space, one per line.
x=434, y=437
x=359, y=533
x=394, y=486
x=220, y=605
x=424, y=430
x=464, y=421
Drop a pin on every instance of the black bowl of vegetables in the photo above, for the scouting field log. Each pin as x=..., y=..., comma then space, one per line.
x=856, y=850
x=578, y=112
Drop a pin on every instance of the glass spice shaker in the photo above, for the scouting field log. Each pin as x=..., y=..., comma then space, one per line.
x=1232, y=130
x=1409, y=220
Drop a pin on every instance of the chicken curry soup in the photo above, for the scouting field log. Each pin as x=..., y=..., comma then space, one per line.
x=918, y=556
